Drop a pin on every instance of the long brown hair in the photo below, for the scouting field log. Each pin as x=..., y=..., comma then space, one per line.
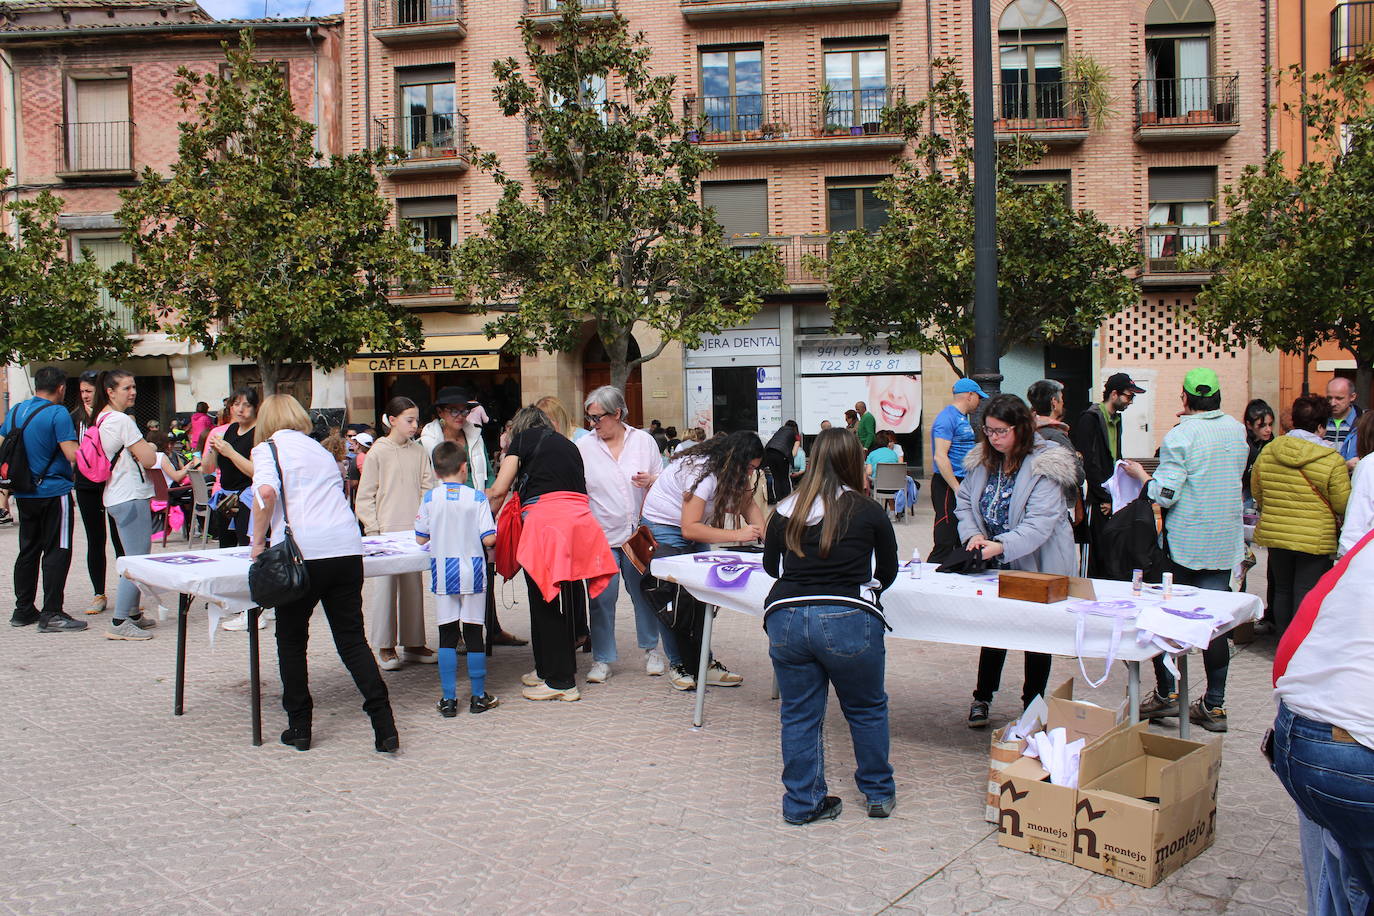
x=728, y=458
x=1012, y=411
x=836, y=461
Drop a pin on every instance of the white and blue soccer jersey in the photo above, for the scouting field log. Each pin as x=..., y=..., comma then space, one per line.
x=455, y=518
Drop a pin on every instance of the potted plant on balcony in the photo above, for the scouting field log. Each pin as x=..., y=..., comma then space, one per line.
x=776, y=130
x=1089, y=94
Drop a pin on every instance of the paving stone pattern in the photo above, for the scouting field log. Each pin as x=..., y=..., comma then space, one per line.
x=614, y=804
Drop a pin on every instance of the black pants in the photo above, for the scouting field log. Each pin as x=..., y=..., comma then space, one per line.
x=239, y=536
x=947, y=539
x=990, y=662
x=1292, y=574
x=780, y=469
x=92, y=506
x=471, y=634
x=45, y=544
x=336, y=583
x=1097, y=556
x=552, y=628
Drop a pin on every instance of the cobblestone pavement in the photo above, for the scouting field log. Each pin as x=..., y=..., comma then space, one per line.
x=614, y=804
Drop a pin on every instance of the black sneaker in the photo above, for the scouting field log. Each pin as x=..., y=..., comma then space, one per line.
x=483, y=703
x=978, y=714
x=60, y=623
x=829, y=809
x=22, y=620
x=882, y=808
x=447, y=708
x=6, y=518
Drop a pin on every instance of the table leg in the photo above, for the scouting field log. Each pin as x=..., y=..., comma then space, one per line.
x=183, y=611
x=254, y=675
x=702, y=664
x=1133, y=689
x=1185, y=726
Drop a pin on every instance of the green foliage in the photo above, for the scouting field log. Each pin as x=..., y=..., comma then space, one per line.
x=1297, y=265
x=1090, y=89
x=256, y=245
x=610, y=231
x=51, y=306
x=1060, y=272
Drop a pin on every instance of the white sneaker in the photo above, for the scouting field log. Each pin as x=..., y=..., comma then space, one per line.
x=717, y=675
x=239, y=623
x=532, y=679
x=387, y=660
x=682, y=679
x=654, y=664
x=600, y=671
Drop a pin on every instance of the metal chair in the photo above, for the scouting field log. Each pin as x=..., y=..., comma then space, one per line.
x=888, y=481
x=200, y=509
x=159, y=482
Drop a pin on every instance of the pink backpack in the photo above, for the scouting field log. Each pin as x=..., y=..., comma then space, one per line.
x=91, y=459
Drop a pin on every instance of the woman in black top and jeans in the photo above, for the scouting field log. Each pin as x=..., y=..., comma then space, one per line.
x=229, y=451
x=833, y=552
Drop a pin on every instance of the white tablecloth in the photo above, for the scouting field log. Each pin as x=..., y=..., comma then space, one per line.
x=964, y=610
x=221, y=576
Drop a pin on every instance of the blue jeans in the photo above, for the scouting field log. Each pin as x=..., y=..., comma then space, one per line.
x=1216, y=658
x=812, y=647
x=134, y=522
x=1332, y=783
x=683, y=645
x=648, y=628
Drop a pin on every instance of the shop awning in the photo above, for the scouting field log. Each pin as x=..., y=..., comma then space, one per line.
x=441, y=353
x=158, y=344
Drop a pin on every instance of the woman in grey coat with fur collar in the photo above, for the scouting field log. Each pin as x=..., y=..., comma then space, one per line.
x=1011, y=504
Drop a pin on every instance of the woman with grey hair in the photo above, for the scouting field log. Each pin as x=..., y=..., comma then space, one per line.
x=621, y=464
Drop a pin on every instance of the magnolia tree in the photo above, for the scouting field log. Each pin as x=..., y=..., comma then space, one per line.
x=609, y=230
x=1297, y=265
x=1061, y=272
x=52, y=307
x=257, y=245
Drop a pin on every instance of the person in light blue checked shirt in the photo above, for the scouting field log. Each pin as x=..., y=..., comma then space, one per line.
x=1198, y=484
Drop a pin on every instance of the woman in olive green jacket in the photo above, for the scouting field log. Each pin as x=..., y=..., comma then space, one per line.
x=1301, y=486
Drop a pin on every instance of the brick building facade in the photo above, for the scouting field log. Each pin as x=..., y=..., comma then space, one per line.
x=87, y=104
x=789, y=94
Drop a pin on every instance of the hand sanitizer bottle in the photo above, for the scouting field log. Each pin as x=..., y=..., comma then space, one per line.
x=915, y=562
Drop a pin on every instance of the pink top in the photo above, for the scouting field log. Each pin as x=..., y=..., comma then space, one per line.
x=200, y=426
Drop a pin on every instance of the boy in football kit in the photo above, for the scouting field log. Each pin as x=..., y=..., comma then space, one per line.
x=456, y=522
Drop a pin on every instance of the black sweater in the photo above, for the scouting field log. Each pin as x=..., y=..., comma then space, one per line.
x=865, y=550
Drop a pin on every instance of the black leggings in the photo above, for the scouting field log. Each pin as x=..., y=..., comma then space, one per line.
x=92, y=506
x=472, y=636
x=990, y=663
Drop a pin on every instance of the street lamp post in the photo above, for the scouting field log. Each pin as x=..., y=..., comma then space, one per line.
x=986, y=349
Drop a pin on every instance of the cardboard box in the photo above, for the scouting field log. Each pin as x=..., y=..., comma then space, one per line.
x=1034, y=815
x=1079, y=719
x=1042, y=588
x=1146, y=804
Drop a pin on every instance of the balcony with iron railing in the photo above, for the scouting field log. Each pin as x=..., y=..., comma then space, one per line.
x=408, y=22
x=544, y=14
x=423, y=144
x=1203, y=108
x=95, y=150
x=1052, y=112
x=716, y=10
x=1352, y=29
x=793, y=122
x=791, y=251
x=1164, y=248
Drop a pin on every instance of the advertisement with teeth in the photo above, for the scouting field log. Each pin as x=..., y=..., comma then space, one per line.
x=835, y=372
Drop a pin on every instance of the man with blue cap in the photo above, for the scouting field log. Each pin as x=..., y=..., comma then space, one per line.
x=951, y=438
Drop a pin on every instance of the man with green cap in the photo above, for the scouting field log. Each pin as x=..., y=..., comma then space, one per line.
x=1198, y=484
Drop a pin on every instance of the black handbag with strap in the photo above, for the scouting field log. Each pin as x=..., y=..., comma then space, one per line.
x=278, y=576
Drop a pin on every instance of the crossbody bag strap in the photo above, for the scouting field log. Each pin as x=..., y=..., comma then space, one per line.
x=1320, y=494
x=281, y=487
x=20, y=433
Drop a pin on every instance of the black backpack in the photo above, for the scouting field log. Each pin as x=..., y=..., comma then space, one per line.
x=15, y=474
x=1130, y=541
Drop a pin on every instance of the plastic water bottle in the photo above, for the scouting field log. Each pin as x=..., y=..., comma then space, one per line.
x=915, y=562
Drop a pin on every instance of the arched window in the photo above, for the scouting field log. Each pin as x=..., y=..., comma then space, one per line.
x=1178, y=57
x=1031, y=35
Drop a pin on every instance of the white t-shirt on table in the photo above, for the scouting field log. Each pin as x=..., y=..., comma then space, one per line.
x=663, y=505
x=127, y=480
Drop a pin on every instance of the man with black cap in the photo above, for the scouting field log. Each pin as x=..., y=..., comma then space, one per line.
x=452, y=423
x=1097, y=437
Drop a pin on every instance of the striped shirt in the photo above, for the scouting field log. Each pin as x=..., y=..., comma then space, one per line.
x=1199, y=483
x=455, y=518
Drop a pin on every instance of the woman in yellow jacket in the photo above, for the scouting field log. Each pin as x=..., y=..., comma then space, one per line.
x=1301, y=486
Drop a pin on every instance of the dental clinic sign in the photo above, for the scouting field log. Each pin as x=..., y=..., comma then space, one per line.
x=852, y=356
x=751, y=346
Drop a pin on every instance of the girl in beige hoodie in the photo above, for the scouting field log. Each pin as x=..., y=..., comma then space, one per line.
x=395, y=476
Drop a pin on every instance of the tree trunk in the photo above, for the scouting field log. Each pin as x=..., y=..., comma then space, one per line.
x=271, y=377
x=1364, y=377
x=619, y=352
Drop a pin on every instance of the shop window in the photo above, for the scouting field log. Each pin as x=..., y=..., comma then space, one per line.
x=295, y=380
